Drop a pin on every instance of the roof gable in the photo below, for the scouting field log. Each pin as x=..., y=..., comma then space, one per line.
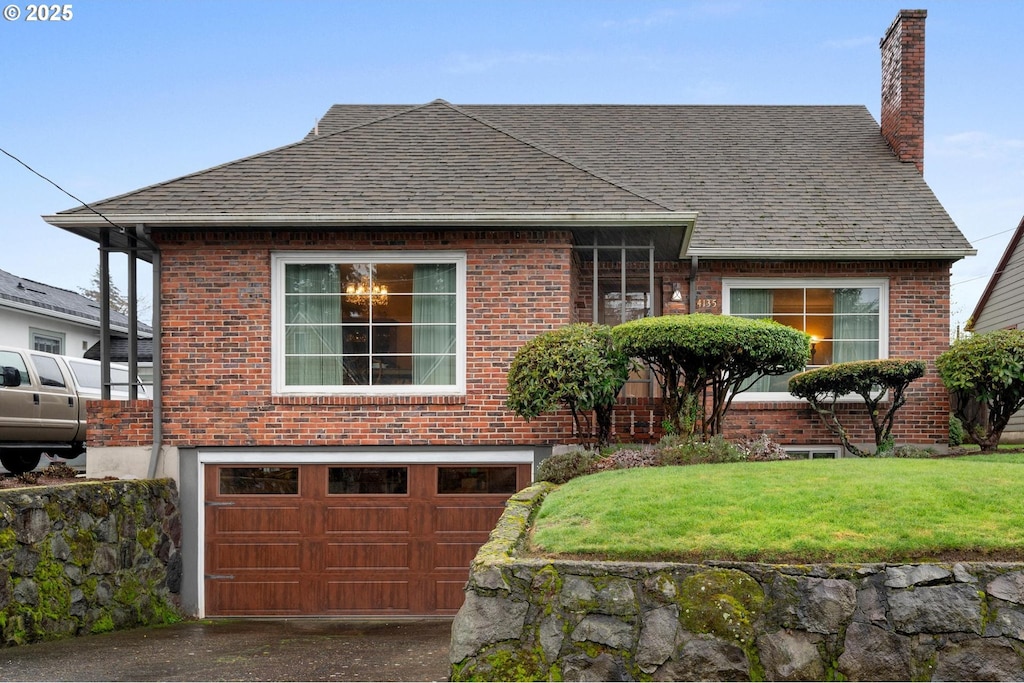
x=428, y=159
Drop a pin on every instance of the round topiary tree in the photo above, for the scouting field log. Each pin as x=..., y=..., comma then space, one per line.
x=872, y=380
x=985, y=373
x=703, y=357
x=577, y=367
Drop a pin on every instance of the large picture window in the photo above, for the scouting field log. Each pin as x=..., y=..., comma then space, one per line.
x=847, y=319
x=369, y=323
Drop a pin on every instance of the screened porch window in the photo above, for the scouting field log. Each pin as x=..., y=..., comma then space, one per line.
x=847, y=320
x=370, y=323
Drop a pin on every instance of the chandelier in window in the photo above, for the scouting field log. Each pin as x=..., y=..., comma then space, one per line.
x=360, y=292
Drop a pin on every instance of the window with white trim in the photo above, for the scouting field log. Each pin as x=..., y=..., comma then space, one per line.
x=44, y=340
x=369, y=322
x=847, y=319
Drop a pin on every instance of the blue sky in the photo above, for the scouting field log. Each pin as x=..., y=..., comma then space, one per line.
x=126, y=94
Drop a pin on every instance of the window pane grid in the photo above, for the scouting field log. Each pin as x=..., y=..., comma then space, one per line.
x=370, y=324
x=844, y=323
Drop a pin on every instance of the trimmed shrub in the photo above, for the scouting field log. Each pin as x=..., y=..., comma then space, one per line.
x=872, y=380
x=577, y=367
x=701, y=356
x=985, y=373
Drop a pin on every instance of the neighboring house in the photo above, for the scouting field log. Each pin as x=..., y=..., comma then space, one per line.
x=45, y=318
x=1001, y=307
x=337, y=316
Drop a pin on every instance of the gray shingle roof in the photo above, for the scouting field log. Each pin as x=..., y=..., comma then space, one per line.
x=773, y=180
x=30, y=294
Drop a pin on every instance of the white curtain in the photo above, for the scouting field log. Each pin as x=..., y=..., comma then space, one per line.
x=855, y=325
x=434, y=324
x=755, y=304
x=312, y=325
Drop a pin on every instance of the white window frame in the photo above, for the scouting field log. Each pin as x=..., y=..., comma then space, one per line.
x=279, y=260
x=36, y=333
x=826, y=452
x=728, y=284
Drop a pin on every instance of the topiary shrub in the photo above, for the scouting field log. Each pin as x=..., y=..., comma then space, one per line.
x=985, y=373
x=577, y=367
x=872, y=380
x=701, y=357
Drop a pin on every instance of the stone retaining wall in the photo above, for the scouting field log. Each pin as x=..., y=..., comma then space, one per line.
x=530, y=619
x=87, y=557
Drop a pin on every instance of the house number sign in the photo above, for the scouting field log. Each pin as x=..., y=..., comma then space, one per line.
x=704, y=304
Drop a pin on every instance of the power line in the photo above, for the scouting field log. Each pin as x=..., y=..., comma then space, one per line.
x=61, y=189
x=995, y=234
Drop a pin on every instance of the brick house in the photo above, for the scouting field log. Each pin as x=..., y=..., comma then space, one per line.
x=336, y=316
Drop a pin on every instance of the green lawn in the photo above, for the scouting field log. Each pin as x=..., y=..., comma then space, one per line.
x=849, y=510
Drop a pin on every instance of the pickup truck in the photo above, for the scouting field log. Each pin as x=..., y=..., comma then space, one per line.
x=42, y=404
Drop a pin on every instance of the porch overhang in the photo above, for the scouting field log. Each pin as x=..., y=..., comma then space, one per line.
x=667, y=230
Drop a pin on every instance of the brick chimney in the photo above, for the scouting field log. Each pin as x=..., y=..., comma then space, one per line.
x=903, y=86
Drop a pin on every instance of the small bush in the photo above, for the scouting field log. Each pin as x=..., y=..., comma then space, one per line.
x=60, y=470
x=627, y=458
x=693, y=451
x=562, y=467
x=763, y=449
x=956, y=431
x=912, y=452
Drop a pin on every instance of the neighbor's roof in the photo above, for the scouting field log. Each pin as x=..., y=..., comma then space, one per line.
x=28, y=295
x=762, y=181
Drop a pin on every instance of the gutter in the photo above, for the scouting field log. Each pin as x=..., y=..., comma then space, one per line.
x=833, y=254
x=522, y=220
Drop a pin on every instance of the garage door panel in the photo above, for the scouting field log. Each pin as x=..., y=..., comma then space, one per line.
x=362, y=518
x=266, y=596
x=456, y=556
x=250, y=520
x=471, y=517
x=342, y=556
x=257, y=556
x=368, y=596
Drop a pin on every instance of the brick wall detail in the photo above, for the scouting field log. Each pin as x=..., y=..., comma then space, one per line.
x=216, y=345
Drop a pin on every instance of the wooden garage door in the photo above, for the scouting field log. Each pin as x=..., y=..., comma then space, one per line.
x=390, y=539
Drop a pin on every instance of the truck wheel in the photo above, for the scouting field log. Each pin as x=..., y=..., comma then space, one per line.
x=18, y=463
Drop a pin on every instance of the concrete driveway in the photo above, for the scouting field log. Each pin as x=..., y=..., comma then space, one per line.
x=243, y=650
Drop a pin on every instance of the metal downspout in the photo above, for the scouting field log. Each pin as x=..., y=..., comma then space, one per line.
x=693, y=284
x=158, y=432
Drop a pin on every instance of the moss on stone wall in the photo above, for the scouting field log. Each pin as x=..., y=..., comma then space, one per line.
x=86, y=557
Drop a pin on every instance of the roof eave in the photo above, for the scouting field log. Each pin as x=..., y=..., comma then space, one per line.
x=567, y=219
x=834, y=254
